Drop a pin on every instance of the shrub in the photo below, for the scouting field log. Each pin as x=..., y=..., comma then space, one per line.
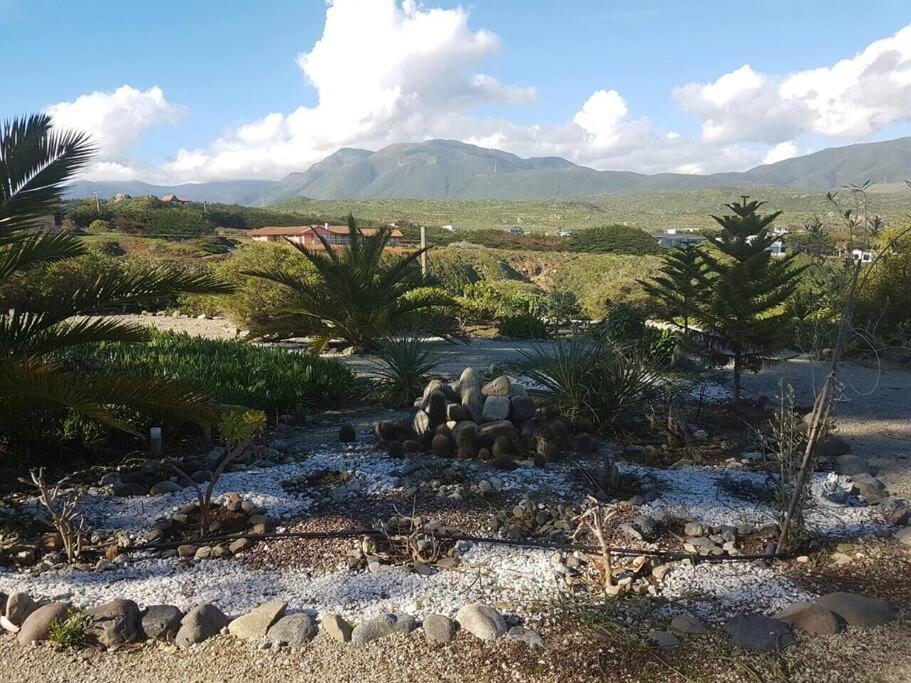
x=403, y=364
x=592, y=380
x=623, y=324
x=232, y=372
x=616, y=239
x=522, y=327
x=72, y=631
x=100, y=225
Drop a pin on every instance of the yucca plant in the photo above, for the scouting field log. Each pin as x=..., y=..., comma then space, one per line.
x=362, y=294
x=592, y=381
x=36, y=161
x=402, y=367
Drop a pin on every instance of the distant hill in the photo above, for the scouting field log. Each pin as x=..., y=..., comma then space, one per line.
x=447, y=170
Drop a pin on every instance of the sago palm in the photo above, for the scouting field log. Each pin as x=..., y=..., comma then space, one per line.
x=36, y=161
x=361, y=294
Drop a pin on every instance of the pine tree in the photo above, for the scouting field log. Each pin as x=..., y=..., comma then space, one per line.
x=678, y=282
x=743, y=288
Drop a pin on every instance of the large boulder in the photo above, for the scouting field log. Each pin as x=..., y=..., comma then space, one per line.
x=469, y=379
x=481, y=621
x=295, y=630
x=758, y=632
x=810, y=618
x=200, y=623
x=858, y=610
x=473, y=402
x=161, y=622
x=18, y=607
x=495, y=408
x=255, y=623
x=37, y=626
x=116, y=622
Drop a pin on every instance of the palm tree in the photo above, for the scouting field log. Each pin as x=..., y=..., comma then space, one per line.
x=36, y=161
x=361, y=294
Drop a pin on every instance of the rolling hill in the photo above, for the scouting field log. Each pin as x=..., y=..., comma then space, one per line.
x=451, y=170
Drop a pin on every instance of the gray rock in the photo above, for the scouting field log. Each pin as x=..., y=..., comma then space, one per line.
x=163, y=487
x=833, y=447
x=18, y=607
x=687, y=623
x=37, y=626
x=869, y=488
x=439, y=628
x=337, y=628
x=693, y=529
x=469, y=379
x=858, y=610
x=294, y=630
x=481, y=621
x=255, y=623
x=404, y=623
x=516, y=390
x=495, y=408
x=421, y=423
x=200, y=623
x=521, y=409
x=759, y=632
x=525, y=635
x=473, y=402
x=373, y=629
x=904, y=535
x=811, y=618
x=896, y=511
x=129, y=489
x=161, y=622
x=850, y=465
x=497, y=387
x=116, y=622
x=457, y=412
x=663, y=640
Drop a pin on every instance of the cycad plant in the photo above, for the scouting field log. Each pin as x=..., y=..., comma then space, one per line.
x=361, y=294
x=36, y=161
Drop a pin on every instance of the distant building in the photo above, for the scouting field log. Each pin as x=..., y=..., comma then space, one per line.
x=776, y=248
x=174, y=199
x=120, y=196
x=862, y=255
x=448, y=228
x=780, y=230
x=515, y=230
x=307, y=235
x=671, y=238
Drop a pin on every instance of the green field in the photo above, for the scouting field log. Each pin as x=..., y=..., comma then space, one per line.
x=649, y=211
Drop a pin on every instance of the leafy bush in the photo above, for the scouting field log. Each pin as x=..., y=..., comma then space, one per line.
x=623, y=324
x=232, y=372
x=884, y=303
x=616, y=239
x=100, y=225
x=72, y=631
x=522, y=327
x=592, y=381
x=403, y=364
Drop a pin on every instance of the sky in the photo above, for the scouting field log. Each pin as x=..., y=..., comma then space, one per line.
x=203, y=90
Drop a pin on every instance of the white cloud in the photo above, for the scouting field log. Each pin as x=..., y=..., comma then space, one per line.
x=853, y=98
x=387, y=71
x=115, y=120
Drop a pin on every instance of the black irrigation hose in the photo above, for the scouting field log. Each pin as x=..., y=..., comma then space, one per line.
x=619, y=552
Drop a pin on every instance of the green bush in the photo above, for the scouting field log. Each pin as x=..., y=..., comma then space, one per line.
x=522, y=327
x=72, y=631
x=232, y=372
x=623, y=324
x=402, y=367
x=100, y=225
x=616, y=239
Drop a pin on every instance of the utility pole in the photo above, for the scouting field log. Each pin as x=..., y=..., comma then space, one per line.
x=423, y=251
x=97, y=203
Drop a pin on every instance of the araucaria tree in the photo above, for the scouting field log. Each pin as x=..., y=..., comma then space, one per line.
x=678, y=283
x=36, y=161
x=743, y=289
x=360, y=293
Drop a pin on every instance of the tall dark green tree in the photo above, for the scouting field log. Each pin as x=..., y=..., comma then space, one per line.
x=743, y=288
x=678, y=283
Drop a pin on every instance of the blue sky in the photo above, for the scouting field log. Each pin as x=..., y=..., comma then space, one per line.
x=222, y=66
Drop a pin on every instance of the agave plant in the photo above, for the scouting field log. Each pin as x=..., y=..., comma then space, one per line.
x=36, y=161
x=362, y=294
x=403, y=365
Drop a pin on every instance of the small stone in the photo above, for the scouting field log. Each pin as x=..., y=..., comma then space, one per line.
x=337, y=628
x=473, y=402
x=18, y=607
x=203, y=553
x=115, y=623
x=663, y=640
x=497, y=387
x=186, y=550
x=456, y=412
x=37, y=626
x=896, y=511
x=373, y=629
x=495, y=408
x=128, y=490
x=525, y=635
x=347, y=433
x=164, y=487
x=833, y=447
x=239, y=545
x=687, y=623
x=693, y=529
x=294, y=630
x=200, y=623
x=439, y=628
x=858, y=610
x=759, y=632
x=904, y=535
x=850, y=465
x=482, y=621
x=810, y=618
x=255, y=623
x=161, y=622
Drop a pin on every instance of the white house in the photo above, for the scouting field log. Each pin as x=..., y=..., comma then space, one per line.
x=448, y=228
x=514, y=230
x=862, y=255
x=671, y=238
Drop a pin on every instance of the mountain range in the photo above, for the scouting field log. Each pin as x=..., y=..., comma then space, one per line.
x=448, y=169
